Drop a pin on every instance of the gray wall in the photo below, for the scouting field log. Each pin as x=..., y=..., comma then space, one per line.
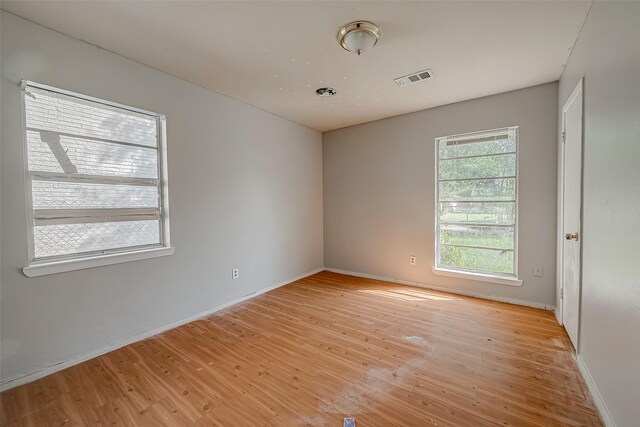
x=607, y=55
x=379, y=191
x=245, y=191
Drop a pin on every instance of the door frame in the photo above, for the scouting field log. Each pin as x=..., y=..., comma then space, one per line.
x=578, y=90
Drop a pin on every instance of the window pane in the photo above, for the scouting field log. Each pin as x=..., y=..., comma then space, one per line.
x=490, y=237
x=64, y=239
x=71, y=195
x=98, y=160
x=478, y=167
x=478, y=213
x=89, y=157
x=479, y=190
x=482, y=260
x=449, y=149
x=477, y=201
x=66, y=114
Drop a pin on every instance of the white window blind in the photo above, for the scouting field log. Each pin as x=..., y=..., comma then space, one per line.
x=94, y=175
x=476, y=202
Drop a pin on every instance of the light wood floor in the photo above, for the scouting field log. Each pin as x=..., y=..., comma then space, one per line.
x=323, y=348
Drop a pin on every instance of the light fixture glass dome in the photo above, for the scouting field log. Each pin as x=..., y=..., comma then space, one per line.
x=359, y=41
x=358, y=36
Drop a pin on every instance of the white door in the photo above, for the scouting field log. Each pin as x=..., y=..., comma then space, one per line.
x=571, y=213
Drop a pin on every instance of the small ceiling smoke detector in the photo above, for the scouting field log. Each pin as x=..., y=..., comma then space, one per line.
x=413, y=78
x=326, y=91
x=358, y=36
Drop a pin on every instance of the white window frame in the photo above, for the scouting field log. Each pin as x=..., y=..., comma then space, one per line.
x=50, y=265
x=492, y=277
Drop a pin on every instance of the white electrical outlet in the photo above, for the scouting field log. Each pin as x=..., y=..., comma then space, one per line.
x=412, y=260
x=235, y=273
x=537, y=271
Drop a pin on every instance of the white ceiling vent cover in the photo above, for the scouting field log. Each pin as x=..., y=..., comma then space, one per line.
x=414, y=78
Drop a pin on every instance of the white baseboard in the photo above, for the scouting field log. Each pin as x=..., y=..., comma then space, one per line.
x=595, y=393
x=32, y=376
x=443, y=289
x=557, y=313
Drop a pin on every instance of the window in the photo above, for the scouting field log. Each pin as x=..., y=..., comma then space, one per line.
x=476, y=203
x=96, y=177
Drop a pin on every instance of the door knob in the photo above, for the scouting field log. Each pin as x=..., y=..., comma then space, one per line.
x=570, y=236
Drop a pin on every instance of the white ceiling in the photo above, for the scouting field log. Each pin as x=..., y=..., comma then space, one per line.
x=274, y=55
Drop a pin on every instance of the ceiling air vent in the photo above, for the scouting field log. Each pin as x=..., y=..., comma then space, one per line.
x=413, y=78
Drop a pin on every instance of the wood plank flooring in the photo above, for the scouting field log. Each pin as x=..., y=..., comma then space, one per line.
x=322, y=348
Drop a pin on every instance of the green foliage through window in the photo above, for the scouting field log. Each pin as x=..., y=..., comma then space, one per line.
x=477, y=199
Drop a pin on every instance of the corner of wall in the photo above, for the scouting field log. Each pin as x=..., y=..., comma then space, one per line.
x=595, y=393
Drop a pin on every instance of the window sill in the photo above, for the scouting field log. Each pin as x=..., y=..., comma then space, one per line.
x=44, y=268
x=500, y=280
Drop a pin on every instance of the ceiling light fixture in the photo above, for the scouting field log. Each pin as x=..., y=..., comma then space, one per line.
x=358, y=36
